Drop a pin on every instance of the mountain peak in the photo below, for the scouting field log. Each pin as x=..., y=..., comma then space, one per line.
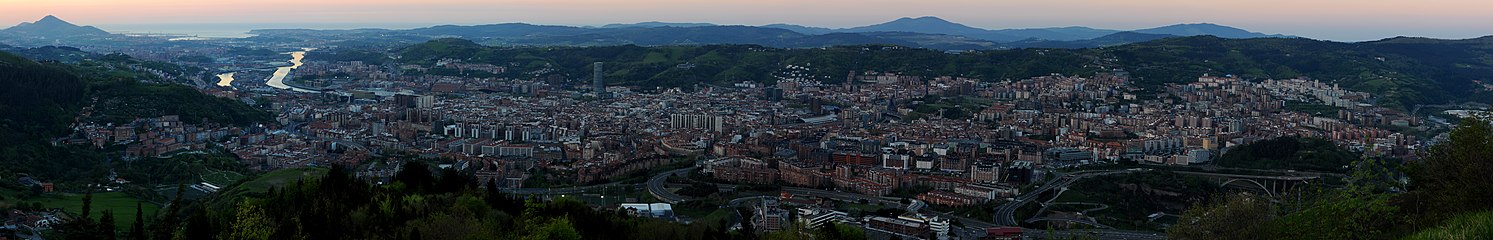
x=52, y=26
x=924, y=19
x=933, y=25
x=50, y=18
x=1197, y=29
x=909, y=23
x=1201, y=24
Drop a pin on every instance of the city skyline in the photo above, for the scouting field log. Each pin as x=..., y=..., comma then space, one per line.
x=1330, y=20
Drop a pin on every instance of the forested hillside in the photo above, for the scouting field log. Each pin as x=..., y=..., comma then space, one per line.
x=36, y=100
x=1445, y=195
x=1402, y=71
x=417, y=204
x=40, y=100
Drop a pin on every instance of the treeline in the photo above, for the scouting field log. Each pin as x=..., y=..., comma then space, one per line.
x=36, y=100
x=40, y=100
x=122, y=102
x=1445, y=195
x=1402, y=71
x=1290, y=152
x=683, y=66
x=418, y=204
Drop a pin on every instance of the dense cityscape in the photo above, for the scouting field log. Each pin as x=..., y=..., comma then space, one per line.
x=1098, y=150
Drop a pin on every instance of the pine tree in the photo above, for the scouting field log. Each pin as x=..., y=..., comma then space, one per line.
x=87, y=204
x=165, y=224
x=497, y=200
x=106, y=226
x=83, y=226
x=137, y=232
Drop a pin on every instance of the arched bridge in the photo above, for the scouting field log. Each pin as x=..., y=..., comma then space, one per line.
x=1271, y=186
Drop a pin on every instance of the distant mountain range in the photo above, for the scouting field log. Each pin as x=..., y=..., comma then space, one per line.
x=923, y=32
x=1400, y=72
x=935, y=25
x=1405, y=70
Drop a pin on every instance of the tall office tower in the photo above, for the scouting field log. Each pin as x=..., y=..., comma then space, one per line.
x=596, y=80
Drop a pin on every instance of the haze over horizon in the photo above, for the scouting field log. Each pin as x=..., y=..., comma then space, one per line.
x=1339, y=20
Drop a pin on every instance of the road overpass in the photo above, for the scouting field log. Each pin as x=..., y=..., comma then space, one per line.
x=1272, y=186
x=658, y=190
x=1006, y=213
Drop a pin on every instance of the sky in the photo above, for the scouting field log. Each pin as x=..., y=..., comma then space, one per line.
x=1340, y=20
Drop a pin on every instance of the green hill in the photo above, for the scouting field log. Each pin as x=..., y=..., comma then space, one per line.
x=1432, y=71
x=39, y=101
x=1401, y=71
x=36, y=100
x=1294, y=153
x=677, y=66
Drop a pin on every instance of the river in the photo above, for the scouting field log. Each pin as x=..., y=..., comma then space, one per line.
x=277, y=80
x=225, y=79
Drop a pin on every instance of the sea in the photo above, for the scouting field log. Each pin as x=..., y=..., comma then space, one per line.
x=238, y=30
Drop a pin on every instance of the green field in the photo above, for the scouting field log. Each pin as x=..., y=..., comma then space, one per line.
x=221, y=178
x=259, y=184
x=280, y=178
x=8, y=197
x=122, y=205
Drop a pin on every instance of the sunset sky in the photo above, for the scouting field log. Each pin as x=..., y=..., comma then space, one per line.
x=1342, y=20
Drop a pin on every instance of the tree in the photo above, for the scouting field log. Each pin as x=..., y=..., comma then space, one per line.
x=1359, y=210
x=1469, y=226
x=558, y=228
x=87, y=204
x=414, y=234
x=1453, y=177
x=452, y=181
x=746, y=222
x=105, y=228
x=500, y=201
x=1341, y=214
x=197, y=226
x=82, y=226
x=251, y=223
x=837, y=231
x=1240, y=216
x=166, y=221
x=137, y=231
x=415, y=175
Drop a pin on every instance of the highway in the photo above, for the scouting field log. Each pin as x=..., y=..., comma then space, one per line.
x=1005, y=215
x=657, y=189
x=569, y=190
x=738, y=201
